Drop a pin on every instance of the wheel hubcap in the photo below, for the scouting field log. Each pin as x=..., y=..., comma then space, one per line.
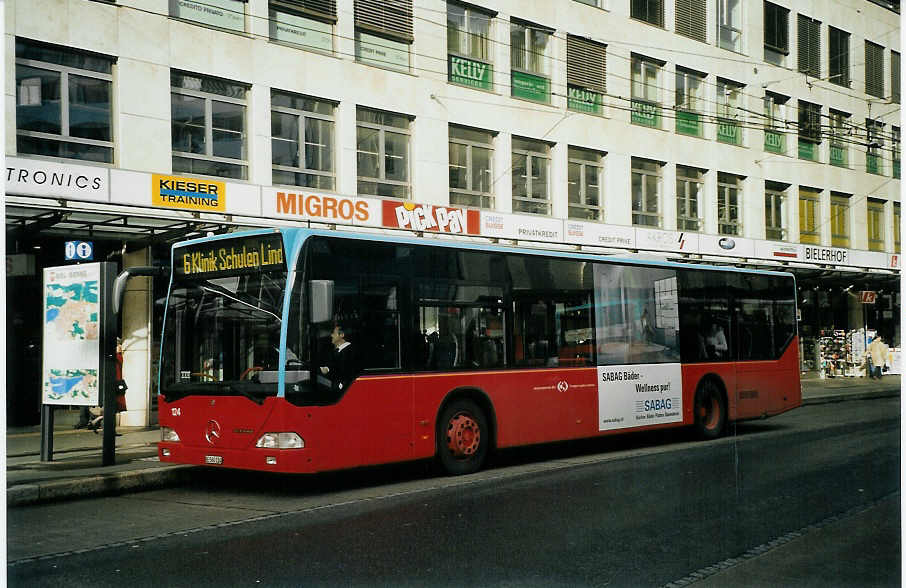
x=463, y=435
x=709, y=410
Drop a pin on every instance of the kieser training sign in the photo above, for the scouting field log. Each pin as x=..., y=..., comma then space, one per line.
x=188, y=193
x=639, y=395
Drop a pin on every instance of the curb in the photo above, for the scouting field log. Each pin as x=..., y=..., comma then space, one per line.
x=95, y=486
x=848, y=396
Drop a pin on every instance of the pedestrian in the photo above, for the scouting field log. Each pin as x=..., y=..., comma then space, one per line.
x=877, y=349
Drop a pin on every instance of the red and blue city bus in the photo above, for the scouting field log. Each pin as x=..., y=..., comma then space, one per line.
x=460, y=348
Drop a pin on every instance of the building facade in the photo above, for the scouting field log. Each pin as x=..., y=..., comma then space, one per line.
x=746, y=132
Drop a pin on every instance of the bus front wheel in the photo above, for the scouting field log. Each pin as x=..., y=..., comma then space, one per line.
x=710, y=410
x=462, y=437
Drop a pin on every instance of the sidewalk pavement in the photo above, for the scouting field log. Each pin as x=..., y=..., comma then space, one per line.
x=76, y=470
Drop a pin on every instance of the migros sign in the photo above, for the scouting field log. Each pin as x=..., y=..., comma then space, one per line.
x=320, y=206
x=188, y=193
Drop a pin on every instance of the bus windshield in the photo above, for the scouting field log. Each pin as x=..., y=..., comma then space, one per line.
x=222, y=332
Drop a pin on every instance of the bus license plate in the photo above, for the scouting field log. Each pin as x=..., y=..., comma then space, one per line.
x=213, y=459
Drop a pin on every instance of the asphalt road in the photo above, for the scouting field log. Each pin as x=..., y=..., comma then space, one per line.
x=807, y=498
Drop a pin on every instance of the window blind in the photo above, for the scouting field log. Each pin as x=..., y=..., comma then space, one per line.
x=326, y=9
x=874, y=69
x=586, y=64
x=691, y=16
x=387, y=17
x=809, y=39
x=895, y=77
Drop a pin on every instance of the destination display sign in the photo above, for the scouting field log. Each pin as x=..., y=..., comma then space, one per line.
x=230, y=257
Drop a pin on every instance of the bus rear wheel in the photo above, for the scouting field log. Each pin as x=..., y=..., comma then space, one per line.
x=710, y=410
x=462, y=437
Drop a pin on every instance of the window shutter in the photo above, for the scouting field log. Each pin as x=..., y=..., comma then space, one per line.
x=874, y=69
x=776, y=27
x=586, y=64
x=895, y=77
x=809, y=46
x=691, y=18
x=386, y=17
x=326, y=9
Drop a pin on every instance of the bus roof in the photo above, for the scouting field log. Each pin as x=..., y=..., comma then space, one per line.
x=300, y=234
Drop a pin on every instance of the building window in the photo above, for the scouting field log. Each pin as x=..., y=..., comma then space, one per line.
x=305, y=23
x=839, y=219
x=895, y=77
x=896, y=227
x=729, y=196
x=302, y=141
x=63, y=103
x=809, y=38
x=729, y=24
x=585, y=178
x=383, y=33
x=586, y=75
x=468, y=47
x=875, y=146
x=646, y=190
x=690, y=184
x=690, y=102
x=471, y=167
x=224, y=14
x=691, y=19
x=840, y=136
x=775, y=123
x=809, y=205
x=531, y=176
x=729, y=96
x=382, y=153
x=530, y=66
x=874, y=70
x=646, y=92
x=809, y=130
x=776, y=34
x=838, y=57
x=650, y=11
x=895, y=150
x=208, y=126
x=875, y=224
x=775, y=214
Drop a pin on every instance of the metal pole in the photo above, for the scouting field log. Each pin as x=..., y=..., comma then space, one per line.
x=108, y=320
x=865, y=336
x=46, y=432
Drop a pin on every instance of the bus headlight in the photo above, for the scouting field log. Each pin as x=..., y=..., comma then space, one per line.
x=168, y=434
x=280, y=441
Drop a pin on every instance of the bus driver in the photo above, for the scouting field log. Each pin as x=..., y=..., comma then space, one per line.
x=341, y=368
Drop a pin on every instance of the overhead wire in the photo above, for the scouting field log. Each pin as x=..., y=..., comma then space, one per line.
x=667, y=112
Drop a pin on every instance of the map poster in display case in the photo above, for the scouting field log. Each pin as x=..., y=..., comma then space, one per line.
x=72, y=315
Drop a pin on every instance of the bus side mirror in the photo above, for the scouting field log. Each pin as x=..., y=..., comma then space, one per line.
x=119, y=285
x=321, y=300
